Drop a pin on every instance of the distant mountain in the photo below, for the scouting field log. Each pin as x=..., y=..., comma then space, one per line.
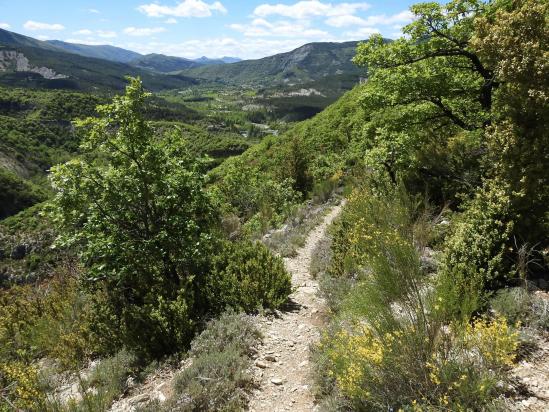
x=9, y=38
x=228, y=59
x=115, y=54
x=168, y=64
x=27, y=62
x=311, y=62
x=223, y=60
x=162, y=63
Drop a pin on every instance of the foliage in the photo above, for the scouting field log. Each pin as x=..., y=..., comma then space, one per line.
x=219, y=378
x=17, y=194
x=53, y=321
x=105, y=383
x=474, y=253
x=247, y=276
x=517, y=305
x=389, y=346
x=255, y=197
x=513, y=39
x=19, y=387
x=135, y=206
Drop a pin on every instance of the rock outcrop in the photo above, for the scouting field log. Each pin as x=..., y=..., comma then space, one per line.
x=11, y=60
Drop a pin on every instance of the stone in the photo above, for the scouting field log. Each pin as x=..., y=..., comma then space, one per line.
x=270, y=358
x=260, y=364
x=145, y=397
x=276, y=381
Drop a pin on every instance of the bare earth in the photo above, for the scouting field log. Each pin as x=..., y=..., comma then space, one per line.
x=282, y=367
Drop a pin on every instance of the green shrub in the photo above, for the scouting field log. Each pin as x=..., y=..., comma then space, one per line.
x=17, y=194
x=143, y=222
x=231, y=328
x=106, y=382
x=218, y=378
x=247, y=276
x=474, y=254
x=517, y=305
x=388, y=346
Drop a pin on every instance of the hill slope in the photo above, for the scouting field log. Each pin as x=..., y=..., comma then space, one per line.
x=27, y=62
x=163, y=64
x=106, y=52
x=311, y=62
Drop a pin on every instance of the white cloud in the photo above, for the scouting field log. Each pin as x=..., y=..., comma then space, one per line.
x=263, y=28
x=362, y=33
x=249, y=48
x=43, y=37
x=106, y=34
x=4, y=26
x=35, y=25
x=403, y=17
x=83, y=32
x=94, y=11
x=345, y=20
x=171, y=20
x=87, y=42
x=309, y=8
x=186, y=8
x=143, y=31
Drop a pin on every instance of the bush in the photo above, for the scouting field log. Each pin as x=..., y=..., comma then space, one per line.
x=231, y=328
x=20, y=387
x=388, y=346
x=143, y=223
x=218, y=378
x=105, y=382
x=474, y=258
x=247, y=276
x=517, y=305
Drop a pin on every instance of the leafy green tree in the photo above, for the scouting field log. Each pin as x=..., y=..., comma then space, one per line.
x=514, y=39
x=135, y=205
x=425, y=91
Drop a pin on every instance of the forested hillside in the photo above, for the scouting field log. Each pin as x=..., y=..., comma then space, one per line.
x=312, y=61
x=146, y=271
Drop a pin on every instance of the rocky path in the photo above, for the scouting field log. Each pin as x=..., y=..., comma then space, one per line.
x=282, y=366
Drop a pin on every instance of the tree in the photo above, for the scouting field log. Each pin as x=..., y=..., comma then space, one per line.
x=436, y=64
x=428, y=99
x=514, y=39
x=135, y=205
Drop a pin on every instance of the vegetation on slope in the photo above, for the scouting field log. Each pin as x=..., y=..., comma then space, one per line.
x=443, y=152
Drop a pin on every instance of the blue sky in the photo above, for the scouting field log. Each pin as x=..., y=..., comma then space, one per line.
x=215, y=28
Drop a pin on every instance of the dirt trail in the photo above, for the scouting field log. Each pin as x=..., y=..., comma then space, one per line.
x=282, y=367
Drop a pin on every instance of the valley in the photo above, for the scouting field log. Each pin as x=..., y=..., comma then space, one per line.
x=342, y=226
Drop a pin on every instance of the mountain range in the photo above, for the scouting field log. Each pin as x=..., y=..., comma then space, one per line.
x=311, y=62
x=58, y=64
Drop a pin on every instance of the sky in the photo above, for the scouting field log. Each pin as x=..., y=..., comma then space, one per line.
x=214, y=28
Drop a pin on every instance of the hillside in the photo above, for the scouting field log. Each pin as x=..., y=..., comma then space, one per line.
x=311, y=62
x=163, y=64
x=55, y=68
x=106, y=52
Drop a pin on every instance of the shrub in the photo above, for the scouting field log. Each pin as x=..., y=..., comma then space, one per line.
x=218, y=378
x=19, y=387
x=136, y=208
x=247, y=276
x=231, y=328
x=474, y=257
x=389, y=346
x=106, y=382
x=517, y=305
